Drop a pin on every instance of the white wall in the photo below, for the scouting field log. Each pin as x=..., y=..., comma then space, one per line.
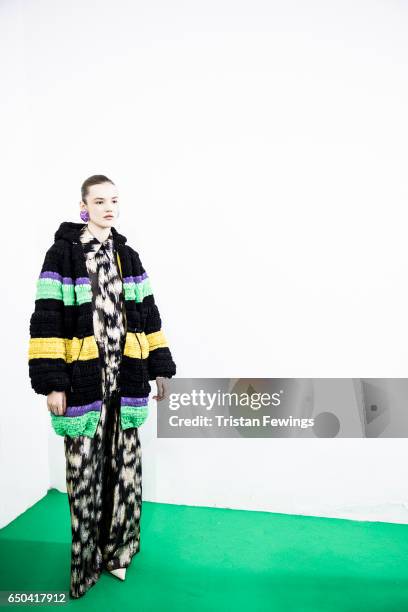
x=260, y=152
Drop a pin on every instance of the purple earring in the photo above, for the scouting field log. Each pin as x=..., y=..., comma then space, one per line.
x=84, y=214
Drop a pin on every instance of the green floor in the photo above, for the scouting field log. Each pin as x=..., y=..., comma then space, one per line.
x=195, y=559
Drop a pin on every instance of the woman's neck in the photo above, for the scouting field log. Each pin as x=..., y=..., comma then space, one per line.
x=101, y=233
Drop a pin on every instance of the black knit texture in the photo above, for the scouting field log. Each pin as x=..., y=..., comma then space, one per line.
x=82, y=379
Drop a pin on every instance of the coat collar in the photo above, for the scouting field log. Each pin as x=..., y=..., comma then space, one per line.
x=70, y=231
x=92, y=245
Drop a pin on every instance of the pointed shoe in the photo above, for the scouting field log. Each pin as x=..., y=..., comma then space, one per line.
x=120, y=573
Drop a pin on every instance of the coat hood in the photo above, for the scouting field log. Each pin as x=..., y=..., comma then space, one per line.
x=69, y=230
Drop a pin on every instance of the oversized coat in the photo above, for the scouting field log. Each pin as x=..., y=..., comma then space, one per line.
x=63, y=353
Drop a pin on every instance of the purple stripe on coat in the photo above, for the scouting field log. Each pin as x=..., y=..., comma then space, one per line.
x=72, y=411
x=66, y=280
x=134, y=401
x=53, y=275
x=82, y=280
x=135, y=279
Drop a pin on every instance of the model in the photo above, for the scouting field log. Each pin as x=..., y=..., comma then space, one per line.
x=96, y=340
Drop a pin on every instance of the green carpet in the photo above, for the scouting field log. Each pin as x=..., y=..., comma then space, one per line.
x=213, y=559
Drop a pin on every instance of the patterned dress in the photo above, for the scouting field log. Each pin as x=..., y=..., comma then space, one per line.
x=104, y=473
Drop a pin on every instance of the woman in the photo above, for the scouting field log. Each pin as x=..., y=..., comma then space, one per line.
x=95, y=342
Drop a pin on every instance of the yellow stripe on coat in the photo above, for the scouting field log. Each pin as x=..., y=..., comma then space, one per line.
x=132, y=346
x=70, y=349
x=63, y=348
x=47, y=348
x=157, y=340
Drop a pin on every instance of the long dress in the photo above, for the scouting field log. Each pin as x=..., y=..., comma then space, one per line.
x=104, y=473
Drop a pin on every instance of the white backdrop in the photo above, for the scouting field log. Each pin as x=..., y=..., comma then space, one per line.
x=260, y=153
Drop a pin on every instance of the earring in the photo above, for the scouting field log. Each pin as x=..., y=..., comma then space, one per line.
x=84, y=214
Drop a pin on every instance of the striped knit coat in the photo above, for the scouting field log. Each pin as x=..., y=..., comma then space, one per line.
x=63, y=353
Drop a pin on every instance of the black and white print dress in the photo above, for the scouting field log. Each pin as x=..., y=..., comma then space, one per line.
x=104, y=473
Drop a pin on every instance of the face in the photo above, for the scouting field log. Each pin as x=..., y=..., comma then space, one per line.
x=102, y=200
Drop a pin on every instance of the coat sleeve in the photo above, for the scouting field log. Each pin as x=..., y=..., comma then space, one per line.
x=47, y=355
x=160, y=360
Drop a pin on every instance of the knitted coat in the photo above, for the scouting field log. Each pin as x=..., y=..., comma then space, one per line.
x=63, y=353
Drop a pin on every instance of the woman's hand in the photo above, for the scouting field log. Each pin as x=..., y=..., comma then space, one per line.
x=57, y=402
x=163, y=387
